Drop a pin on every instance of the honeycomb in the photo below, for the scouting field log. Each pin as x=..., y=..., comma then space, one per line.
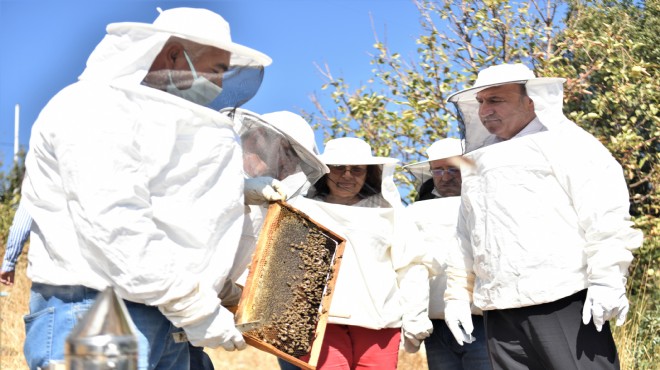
x=289, y=286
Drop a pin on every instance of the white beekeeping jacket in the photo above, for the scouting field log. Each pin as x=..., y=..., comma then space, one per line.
x=434, y=231
x=134, y=188
x=544, y=215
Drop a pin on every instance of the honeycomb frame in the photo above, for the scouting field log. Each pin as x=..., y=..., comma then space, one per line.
x=290, y=284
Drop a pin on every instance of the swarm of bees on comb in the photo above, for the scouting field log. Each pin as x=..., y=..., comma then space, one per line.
x=292, y=282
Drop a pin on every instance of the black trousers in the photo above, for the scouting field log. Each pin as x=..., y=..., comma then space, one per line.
x=548, y=336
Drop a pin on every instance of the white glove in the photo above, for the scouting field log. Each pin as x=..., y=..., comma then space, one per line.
x=414, y=288
x=604, y=303
x=415, y=331
x=216, y=330
x=260, y=190
x=459, y=320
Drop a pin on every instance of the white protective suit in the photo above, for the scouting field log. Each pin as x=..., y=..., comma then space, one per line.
x=434, y=230
x=367, y=290
x=543, y=215
x=133, y=187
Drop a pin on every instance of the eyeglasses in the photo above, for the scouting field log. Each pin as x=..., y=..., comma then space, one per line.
x=340, y=170
x=441, y=171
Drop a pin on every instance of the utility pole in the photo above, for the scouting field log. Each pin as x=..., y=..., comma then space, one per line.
x=17, y=110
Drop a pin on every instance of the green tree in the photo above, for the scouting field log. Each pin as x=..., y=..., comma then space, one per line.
x=10, y=184
x=608, y=52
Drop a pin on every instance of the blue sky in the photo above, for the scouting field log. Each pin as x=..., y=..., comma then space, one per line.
x=46, y=44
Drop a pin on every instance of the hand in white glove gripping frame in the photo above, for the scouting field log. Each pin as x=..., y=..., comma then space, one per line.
x=604, y=303
x=458, y=318
x=260, y=190
x=216, y=330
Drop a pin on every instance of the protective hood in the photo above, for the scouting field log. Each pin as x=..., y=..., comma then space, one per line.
x=294, y=126
x=441, y=149
x=271, y=150
x=126, y=53
x=546, y=92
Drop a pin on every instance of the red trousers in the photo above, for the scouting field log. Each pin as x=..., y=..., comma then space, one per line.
x=349, y=347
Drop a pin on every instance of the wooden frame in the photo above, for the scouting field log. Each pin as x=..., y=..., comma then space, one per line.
x=273, y=279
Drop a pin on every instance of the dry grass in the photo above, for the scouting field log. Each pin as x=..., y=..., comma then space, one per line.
x=12, y=334
x=12, y=308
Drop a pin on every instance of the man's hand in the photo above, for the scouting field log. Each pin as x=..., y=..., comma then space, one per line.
x=261, y=190
x=216, y=330
x=7, y=277
x=604, y=303
x=459, y=320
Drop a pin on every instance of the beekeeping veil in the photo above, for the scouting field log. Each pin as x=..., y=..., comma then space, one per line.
x=128, y=50
x=546, y=92
x=278, y=145
x=441, y=149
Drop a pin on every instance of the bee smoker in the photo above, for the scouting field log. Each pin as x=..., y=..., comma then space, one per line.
x=104, y=338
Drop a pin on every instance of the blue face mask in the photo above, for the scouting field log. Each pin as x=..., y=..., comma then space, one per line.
x=202, y=91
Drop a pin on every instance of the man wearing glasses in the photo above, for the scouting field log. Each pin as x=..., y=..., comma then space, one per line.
x=435, y=221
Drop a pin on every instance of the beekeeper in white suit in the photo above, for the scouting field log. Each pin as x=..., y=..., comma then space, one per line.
x=358, y=200
x=545, y=230
x=133, y=182
x=434, y=216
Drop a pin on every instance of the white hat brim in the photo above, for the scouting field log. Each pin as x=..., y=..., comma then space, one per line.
x=470, y=93
x=417, y=165
x=331, y=160
x=237, y=50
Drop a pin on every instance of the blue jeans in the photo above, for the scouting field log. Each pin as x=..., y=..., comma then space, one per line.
x=443, y=352
x=55, y=311
x=285, y=365
x=199, y=360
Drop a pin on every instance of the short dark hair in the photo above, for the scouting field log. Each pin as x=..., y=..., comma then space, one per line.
x=372, y=184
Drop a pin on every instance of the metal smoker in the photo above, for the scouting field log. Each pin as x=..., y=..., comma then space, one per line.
x=105, y=337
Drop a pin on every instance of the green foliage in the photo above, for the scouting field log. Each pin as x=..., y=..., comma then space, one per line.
x=612, y=89
x=10, y=184
x=638, y=340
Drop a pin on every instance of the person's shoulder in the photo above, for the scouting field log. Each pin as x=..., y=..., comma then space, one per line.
x=576, y=137
x=572, y=146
